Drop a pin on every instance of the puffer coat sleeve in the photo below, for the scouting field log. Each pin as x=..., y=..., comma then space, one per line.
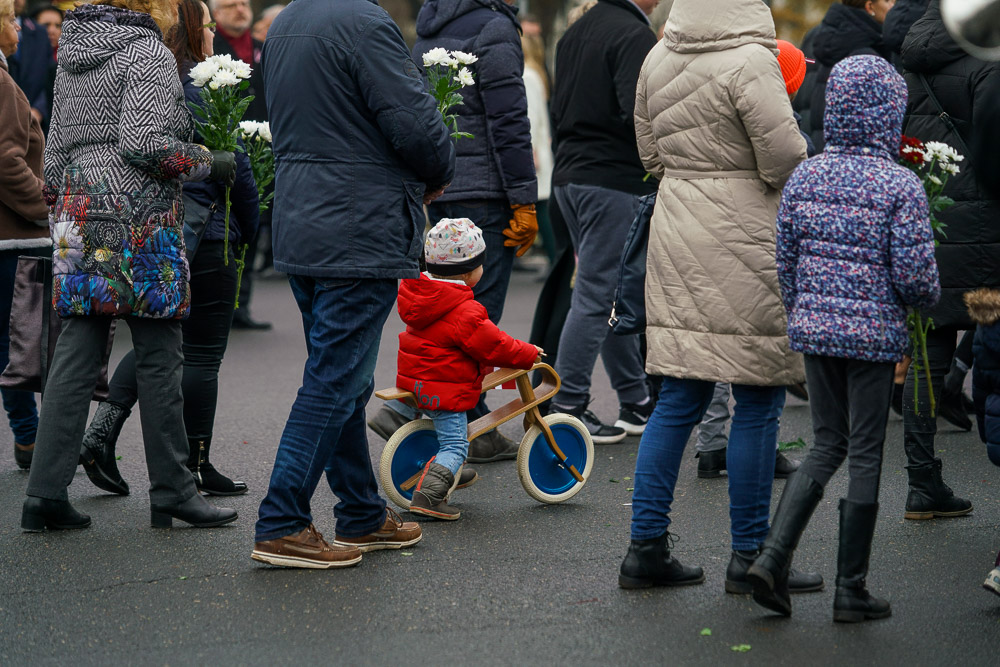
x=145, y=140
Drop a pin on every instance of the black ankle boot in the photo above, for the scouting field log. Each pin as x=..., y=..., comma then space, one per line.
x=711, y=464
x=740, y=562
x=649, y=563
x=769, y=574
x=930, y=497
x=98, y=450
x=206, y=477
x=41, y=513
x=853, y=603
x=195, y=511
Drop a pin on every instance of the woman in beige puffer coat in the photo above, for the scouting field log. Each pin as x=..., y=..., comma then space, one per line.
x=715, y=125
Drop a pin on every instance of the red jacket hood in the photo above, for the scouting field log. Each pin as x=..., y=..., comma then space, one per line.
x=423, y=301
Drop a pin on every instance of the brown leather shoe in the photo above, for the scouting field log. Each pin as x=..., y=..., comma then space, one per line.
x=394, y=534
x=308, y=549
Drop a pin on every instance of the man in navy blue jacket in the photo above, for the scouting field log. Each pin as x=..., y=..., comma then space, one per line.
x=495, y=183
x=359, y=146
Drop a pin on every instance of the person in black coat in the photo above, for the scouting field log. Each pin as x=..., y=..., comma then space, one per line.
x=32, y=65
x=850, y=28
x=943, y=78
x=898, y=22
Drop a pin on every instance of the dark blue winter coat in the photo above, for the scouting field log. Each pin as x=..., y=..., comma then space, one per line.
x=497, y=163
x=243, y=216
x=984, y=309
x=855, y=245
x=357, y=141
x=899, y=20
x=30, y=66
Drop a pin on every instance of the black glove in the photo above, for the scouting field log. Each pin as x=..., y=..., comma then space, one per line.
x=223, y=168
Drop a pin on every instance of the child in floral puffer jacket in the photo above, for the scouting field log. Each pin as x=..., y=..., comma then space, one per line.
x=854, y=249
x=448, y=347
x=984, y=308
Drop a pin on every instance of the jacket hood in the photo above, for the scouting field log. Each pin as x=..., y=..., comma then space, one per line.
x=92, y=34
x=436, y=14
x=983, y=305
x=698, y=26
x=865, y=103
x=928, y=46
x=424, y=301
x=844, y=31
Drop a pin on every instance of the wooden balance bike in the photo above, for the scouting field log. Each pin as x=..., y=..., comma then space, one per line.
x=553, y=462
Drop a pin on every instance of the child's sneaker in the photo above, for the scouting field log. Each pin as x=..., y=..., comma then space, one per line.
x=633, y=417
x=430, y=498
x=992, y=583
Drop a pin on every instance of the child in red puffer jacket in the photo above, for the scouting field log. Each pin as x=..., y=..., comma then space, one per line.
x=448, y=347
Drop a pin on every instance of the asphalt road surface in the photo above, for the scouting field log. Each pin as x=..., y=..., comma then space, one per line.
x=512, y=582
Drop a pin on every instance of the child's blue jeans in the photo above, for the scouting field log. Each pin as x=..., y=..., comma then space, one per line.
x=452, y=433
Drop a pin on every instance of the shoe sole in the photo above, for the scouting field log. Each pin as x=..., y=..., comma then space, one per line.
x=100, y=480
x=162, y=520
x=304, y=563
x=506, y=456
x=210, y=492
x=840, y=616
x=379, y=546
x=631, y=583
x=762, y=584
x=468, y=484
x=709, y=474
x=630, y=429
x=923, y=516
x=38, y=526
x=989, y=586
x=436, y=515
x=606, y=439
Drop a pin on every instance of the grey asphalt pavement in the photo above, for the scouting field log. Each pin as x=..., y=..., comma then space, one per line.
x=512, y=582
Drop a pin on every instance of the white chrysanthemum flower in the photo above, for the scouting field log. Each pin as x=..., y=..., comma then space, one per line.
x=949, y=168
x=241, y=69
x=264, y=131
x=203, y=72
x=464, y=58
x=224, y=77
x=223, y=60
x=465, y=77
x=934, y=179
x=249, y=128
x=438, y=56
x=941, y=151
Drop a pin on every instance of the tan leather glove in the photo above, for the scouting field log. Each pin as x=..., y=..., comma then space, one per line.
x=523, y=228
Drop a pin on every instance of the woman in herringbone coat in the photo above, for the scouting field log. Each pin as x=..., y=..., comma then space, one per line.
x=118, y=151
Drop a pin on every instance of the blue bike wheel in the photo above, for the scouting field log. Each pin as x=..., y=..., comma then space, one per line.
x=405, y=455
x=543, y=476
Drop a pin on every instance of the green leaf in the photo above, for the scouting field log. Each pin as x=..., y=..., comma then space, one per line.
x=626, y=478
x=706, y=632
x=740, y=648
x=792, y=444
x=118, y=458
x=182, y=578
x=406, y=553
x=613, y=480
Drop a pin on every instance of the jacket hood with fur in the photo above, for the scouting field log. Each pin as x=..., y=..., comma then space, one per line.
x=984, y=305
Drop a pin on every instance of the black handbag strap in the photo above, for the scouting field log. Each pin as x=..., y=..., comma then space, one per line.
x=46, y=269
x=946, y=119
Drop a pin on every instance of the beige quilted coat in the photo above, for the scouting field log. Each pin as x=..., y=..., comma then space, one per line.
x=713, y=122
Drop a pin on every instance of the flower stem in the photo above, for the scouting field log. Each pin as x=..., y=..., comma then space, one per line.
x=240, y=263
x=225, y=238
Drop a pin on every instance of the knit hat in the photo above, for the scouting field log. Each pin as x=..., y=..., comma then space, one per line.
x=792, y=62
x=453, y=247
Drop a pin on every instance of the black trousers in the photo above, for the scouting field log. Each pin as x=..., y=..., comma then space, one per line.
x=205, y=336
x=919, y=429
x=849, y=401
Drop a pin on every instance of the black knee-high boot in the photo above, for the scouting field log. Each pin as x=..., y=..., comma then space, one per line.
x=769, y=573
x=853, y=603
x=206, y=477
x=98, y=448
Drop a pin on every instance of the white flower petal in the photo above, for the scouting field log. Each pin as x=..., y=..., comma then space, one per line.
x=465, y=77
x=464, y=58
x=438, y=56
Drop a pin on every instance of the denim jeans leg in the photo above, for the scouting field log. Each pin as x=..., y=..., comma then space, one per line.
x=452, y=430
x=681, y=406
x=19, y=405
x=343, y=322
x=750, y=462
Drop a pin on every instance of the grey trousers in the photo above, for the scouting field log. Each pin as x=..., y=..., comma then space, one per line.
x=849, y=402
x=66, y=405
x=712, y=430
x=598, y=220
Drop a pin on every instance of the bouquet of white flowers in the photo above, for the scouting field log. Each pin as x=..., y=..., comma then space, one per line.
x=448, y=73
x=257, y=143
x=222, y=81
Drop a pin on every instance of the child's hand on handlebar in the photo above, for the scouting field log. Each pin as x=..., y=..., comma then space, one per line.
x=541, y=353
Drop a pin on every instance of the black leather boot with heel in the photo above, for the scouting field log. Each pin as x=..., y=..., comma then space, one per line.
x=853, y=603
x=206, y=477
x=649, y=563
x=195, y=510
x=38, y=514
x=769, y=574
x=97, y=452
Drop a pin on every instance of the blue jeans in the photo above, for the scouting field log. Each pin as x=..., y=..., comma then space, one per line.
x=19, y=405
x=749, y=457
x=452, y=430
x=325, y=431
x=492, y=216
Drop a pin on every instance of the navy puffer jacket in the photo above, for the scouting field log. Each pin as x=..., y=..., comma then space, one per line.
x=497, y=163
x=984, y=309
x=357, y=142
